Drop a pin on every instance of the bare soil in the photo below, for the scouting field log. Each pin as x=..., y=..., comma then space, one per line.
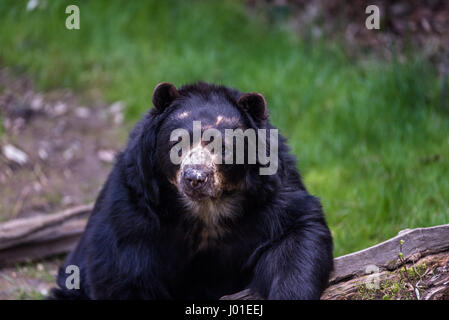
x=29, y=281
x=69, y=145
x=404, y=24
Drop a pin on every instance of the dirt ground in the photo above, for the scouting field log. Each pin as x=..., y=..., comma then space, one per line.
x=28, y=281
x=424, y=24
x=56, y=149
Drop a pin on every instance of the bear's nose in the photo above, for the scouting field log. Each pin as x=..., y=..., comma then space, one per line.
x=195, y=177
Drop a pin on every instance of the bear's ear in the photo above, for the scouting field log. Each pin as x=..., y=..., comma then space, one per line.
x=163, y=95
x=255, y=105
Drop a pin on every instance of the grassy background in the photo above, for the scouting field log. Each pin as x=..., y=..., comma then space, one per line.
x=369, y=136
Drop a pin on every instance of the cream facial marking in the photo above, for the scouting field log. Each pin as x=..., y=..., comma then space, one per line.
x=212, y=208
x=199, y=155
x=228, y=121
x=183, y=115
x=233, y=137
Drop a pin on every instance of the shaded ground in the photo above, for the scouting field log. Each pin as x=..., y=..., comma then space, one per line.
x=29, y=280
x=404, y=24
x=55, y=152
x=68, y=144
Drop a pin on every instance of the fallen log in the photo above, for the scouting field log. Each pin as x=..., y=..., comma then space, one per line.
x=412, y=265
x=424, y=279
x=417, y=243
x=42, y=236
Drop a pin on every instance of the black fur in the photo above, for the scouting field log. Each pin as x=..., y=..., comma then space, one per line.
x=135, y=246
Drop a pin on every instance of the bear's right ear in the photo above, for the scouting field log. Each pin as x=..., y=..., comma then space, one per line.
x=255, y=104
x=163, y=95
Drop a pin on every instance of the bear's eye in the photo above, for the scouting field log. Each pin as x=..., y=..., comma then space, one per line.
x=211, y=148
x=171, y=144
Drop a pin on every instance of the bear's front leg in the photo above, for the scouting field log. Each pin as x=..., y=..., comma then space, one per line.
x=297, y=263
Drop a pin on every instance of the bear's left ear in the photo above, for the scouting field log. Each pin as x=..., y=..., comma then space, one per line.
x=163, y=95
x=255, y=105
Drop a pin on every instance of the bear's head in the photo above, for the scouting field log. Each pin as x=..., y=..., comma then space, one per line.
x=209, y=143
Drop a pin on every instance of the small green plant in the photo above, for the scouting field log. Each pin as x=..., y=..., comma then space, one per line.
x=407, y=273
x=35, y=270
x=391, y=289
x=22, y=294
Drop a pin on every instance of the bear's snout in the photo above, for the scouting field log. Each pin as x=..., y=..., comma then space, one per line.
x=197, y=182
x=196, y=177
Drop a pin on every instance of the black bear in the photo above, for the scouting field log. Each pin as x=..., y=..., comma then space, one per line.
x=175, y=223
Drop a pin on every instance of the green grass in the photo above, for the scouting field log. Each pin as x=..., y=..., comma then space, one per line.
x=369, y=136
